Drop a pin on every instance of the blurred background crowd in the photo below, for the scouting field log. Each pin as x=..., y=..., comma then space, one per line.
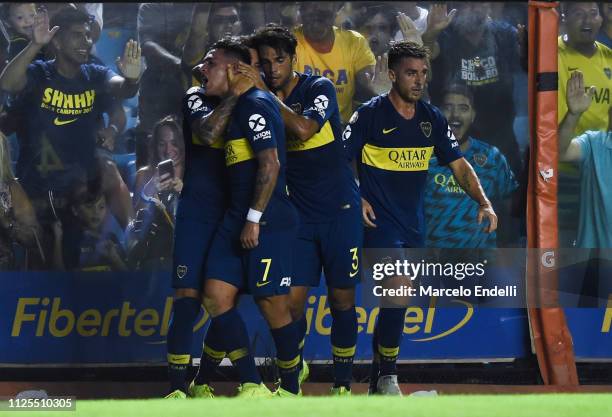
x=65, y=206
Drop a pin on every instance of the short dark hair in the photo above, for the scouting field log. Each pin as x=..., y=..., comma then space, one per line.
x=69, y=16
x=371, y=10
x=460, y=89
x=406, y=49
x=276, y=37
x=233, y=46
x=247, y=40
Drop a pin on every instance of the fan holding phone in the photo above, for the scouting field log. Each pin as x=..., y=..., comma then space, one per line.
x=161, y=179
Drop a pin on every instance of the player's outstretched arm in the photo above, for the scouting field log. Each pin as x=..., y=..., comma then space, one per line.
x=265, y=181
x=211, y=126
x=14, y=78
x=468, y=180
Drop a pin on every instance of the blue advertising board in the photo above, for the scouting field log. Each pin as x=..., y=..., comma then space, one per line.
x=122, y=318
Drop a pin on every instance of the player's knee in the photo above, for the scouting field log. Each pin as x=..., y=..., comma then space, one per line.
x=297, y=302
x=297, y=312
x=275, y=310
x=217, y=302
x=342, y=299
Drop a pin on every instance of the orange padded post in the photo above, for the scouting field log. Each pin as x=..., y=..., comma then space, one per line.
x=550, y=336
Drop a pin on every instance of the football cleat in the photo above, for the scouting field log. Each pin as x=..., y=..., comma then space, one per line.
x=177, y=394
x=304, y=373
x=280, y=392
x=251, y=390
x=387, y=385
x=340, y=392
x=200, y=391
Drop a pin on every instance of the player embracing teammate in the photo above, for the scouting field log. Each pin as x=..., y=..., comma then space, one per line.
x=294, y=209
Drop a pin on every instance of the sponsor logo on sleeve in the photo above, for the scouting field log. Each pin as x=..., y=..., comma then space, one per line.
x=257, y=123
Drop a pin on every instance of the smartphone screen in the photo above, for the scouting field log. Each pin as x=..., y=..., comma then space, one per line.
x=166, y=167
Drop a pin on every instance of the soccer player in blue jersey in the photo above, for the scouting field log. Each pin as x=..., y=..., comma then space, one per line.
x=252, y=249
x=449, y=212
x=393, y=137
x=201, y=207
x=322, y=187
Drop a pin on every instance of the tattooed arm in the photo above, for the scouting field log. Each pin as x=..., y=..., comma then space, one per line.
x=265, y=181
x=211, y=126
x=467, y=179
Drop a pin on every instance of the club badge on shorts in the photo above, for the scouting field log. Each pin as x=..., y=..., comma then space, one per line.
x=181, y=271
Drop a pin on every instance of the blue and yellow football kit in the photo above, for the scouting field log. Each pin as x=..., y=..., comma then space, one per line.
x=266, y=270
x=393, y=156
x=451, y=213
x=322, y=187
x=203, y=200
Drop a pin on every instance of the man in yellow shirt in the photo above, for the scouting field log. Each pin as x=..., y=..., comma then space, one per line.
x=343, y=56
x=578, y=50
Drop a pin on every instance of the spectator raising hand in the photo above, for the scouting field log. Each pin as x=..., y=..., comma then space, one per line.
x=578, y=98
x=41, y=35
x=129, y=63
x=380, y=79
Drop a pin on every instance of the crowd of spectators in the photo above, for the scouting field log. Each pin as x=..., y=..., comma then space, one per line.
x=98, y=152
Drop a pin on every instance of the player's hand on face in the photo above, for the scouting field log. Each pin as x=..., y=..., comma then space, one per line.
x=249, y=237
x=578, y=100
x=368, y=213
x=238, y=82
x=41, y=35
x=252, y=74
x=129, y=63
x=486, y=212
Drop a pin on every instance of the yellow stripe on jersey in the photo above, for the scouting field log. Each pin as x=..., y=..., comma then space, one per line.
x=397, y=159
x=217, y=144
x=323, y=137
x=237, y=150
